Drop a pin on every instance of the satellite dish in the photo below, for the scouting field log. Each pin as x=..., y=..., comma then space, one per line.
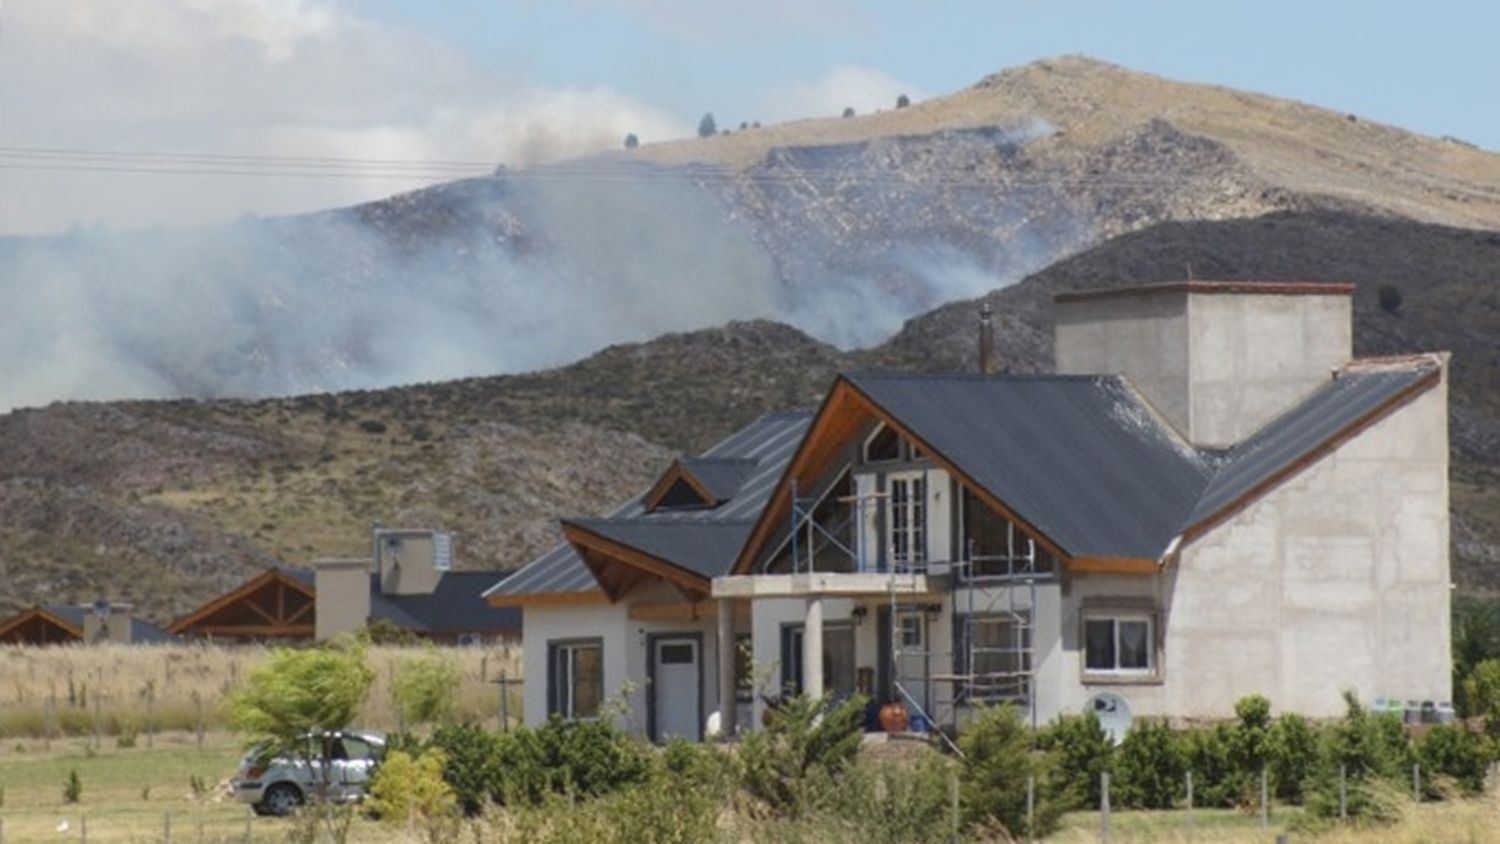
x=1113, y=714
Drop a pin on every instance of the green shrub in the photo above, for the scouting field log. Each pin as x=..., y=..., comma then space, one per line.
x=1079, y=751
x=72, y=787
x=471, y=756
x=1216, y=782
x=882, y=803
x=1481, y=695
x=410, y=791
x=1149, y=766
x=801, y=737
x=1375, y=758
x=1451, y=751
x=997, y=762
x=1294, y=756
x=708, y=767
x=1250, y=743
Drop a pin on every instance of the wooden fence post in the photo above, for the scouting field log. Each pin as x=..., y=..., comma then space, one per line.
x=1104, y=806
x=1191, y=820
x=1265, y=802
x=1343, y=793
x=1030, y=808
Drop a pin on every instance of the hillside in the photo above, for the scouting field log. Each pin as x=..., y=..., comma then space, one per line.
x=843, y=228
x=166, y=502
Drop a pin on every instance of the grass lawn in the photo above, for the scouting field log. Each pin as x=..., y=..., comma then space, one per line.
x=128, y=793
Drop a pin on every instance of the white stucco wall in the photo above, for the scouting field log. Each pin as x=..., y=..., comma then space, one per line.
x=1337, y=579
x=625, y=653
x=1217, y=366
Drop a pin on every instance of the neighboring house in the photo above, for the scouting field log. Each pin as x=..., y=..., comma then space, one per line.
x=61, y=624
x=1211, y=500
x=408, y=583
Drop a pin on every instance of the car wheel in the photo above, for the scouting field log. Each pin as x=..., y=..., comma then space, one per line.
x=280, y=800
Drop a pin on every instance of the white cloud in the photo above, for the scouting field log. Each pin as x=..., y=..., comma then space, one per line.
x=846, y=86
x=260, y=77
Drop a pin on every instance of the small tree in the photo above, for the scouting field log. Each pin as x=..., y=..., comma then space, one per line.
x=849, y=112
x=631, y=141
x=707, y=128
x=903, y=101
x=1150, y=766
x=997, y=761
x=293, y=703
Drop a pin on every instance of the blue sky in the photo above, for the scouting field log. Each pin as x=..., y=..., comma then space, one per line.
x=526, y=81
x=1431, y=66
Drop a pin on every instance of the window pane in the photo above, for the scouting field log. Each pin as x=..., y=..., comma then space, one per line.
x=1135, y=645
x=1099, y=645
x=588, y=681
x=677, y=654
x=885, y=445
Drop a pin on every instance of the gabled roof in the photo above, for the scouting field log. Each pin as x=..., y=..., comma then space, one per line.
x=1357, y=395
x=140, y=631
x=280, y=621
x=1082, y=459
x=1082, y=463
x=756, y=453
x=705, y=548
x=710, y=481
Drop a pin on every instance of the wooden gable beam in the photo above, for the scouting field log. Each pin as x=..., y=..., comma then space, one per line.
x=604, y=557
x=19, y=621
x=678, y=472
x=242, y=592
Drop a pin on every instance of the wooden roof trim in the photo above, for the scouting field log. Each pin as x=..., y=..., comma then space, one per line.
x=1349, y=432
x=590, y=597
x=843, y=394
x=780, y=499
x=25, y=616
x=1113, y=565
x=270, y=575
x=678, y=472
x=586, y=540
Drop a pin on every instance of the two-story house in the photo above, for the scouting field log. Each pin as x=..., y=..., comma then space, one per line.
x=1211, y=499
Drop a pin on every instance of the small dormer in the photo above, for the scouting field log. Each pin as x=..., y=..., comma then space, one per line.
x=698, y=483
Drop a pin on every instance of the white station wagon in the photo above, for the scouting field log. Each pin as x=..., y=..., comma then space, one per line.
x=277, y=786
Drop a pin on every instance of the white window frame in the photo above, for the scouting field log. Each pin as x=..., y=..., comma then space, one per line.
x=1115, y=618
x=915, y=530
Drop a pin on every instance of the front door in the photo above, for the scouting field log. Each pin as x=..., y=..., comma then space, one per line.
x=676, y=682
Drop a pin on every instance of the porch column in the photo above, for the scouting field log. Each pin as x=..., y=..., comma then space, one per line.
x=727, y=678
x=812, y=649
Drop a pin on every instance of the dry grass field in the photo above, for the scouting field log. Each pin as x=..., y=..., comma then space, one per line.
x=133, y=692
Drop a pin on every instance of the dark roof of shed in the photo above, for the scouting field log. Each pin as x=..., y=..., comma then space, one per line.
x=767, y=443
x=457, y=605
x=1082, y=459
x=1357, y=392
x=140, y=631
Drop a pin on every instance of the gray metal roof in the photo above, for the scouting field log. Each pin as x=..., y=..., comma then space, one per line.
x=1343, y=402
x=1080, y=458
x=769, y=442
x=140, y=631
x=456, y=605
x=721, y=476
x=703, y=547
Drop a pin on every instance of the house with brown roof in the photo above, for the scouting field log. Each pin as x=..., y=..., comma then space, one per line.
x=1212, y=498
x=67, y=624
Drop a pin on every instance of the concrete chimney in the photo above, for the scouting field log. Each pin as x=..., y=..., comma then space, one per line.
x=410, y=562
x=343, y=597
x=986, y=340
x=1218, y=359
x=106, y=622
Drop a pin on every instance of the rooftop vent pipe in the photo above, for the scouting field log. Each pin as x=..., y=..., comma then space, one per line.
x=986, y=340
